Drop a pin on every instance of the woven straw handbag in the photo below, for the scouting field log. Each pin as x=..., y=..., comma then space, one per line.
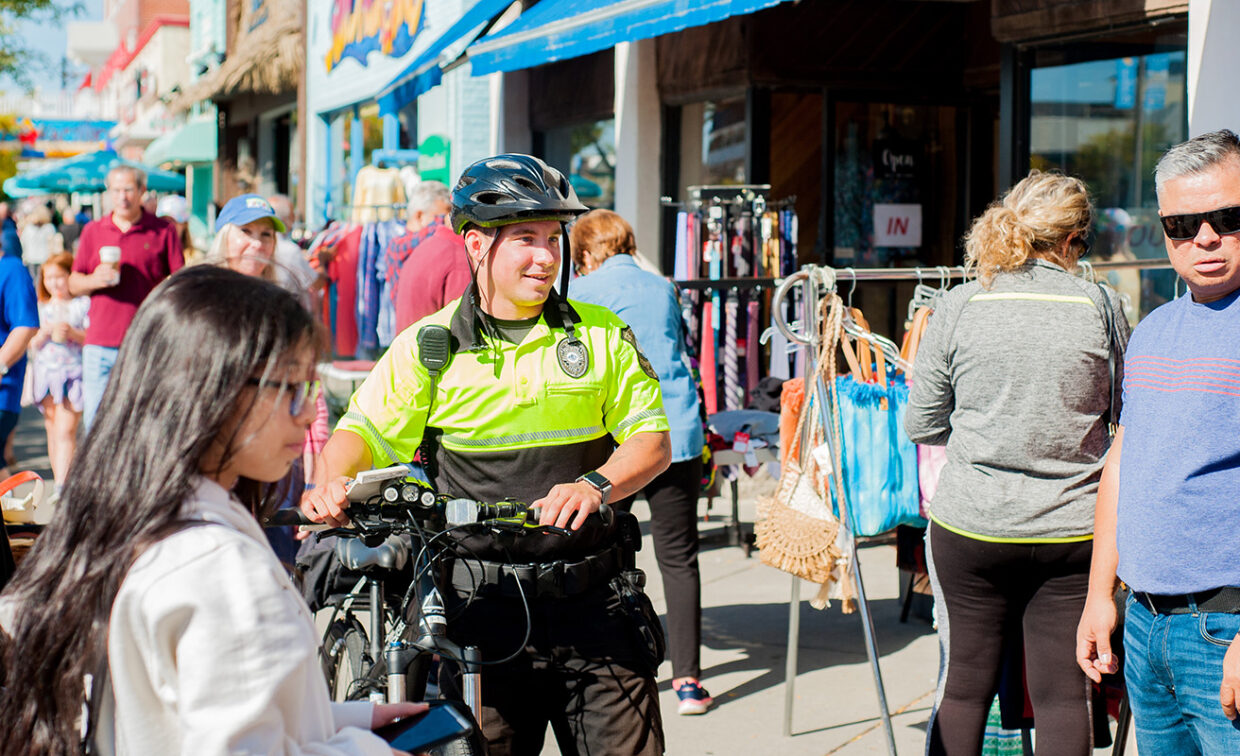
x=795, y=530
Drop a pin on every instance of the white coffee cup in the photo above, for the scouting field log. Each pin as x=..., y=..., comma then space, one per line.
x=111, y=255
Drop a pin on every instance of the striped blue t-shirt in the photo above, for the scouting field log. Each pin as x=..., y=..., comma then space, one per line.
x=1179, y=490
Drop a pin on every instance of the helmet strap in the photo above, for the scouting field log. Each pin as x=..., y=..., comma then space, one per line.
x=566, y=261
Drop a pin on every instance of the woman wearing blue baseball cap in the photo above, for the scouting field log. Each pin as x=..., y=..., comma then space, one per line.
x=246, y=243
x=246, y=237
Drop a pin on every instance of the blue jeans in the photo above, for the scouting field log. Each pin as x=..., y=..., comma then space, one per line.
x=97, y=362
x=1173, y=668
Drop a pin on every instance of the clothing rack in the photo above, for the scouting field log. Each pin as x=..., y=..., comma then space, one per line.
x=732, y=243
x=923, y=274
x=813, y=282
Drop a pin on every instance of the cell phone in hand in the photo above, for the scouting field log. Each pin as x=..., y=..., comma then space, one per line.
x=444, y=722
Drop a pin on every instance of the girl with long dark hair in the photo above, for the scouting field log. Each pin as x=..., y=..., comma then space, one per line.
x=154, y=578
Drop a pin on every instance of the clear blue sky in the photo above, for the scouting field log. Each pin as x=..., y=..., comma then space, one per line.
x=49, y=39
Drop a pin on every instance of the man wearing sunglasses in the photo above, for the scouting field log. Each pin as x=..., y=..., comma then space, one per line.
x=1168, y=518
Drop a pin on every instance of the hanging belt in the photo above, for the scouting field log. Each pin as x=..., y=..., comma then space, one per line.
x=557, y=579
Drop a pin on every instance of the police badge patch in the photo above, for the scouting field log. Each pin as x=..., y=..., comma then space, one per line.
x=628, y=335
x=573, y=357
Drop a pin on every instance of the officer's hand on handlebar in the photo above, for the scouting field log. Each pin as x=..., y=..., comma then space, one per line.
x=564, y=499
x=327, y=503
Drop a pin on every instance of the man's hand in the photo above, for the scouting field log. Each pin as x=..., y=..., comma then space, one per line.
x=104, y=276
x=327, y=503
x=1093, y=638
x=564, y=499
x=1229, y=693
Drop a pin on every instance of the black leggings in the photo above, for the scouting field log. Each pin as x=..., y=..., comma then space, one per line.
x=989, y=595
x=673, y=498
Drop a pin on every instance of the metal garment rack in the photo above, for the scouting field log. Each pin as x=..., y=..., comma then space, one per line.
x=925, y=275
x=815, y=281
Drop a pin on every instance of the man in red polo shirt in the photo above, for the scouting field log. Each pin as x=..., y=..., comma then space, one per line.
x=149, y=252
x=434, y=269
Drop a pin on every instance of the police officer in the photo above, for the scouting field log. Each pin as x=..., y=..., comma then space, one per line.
x=542, y=400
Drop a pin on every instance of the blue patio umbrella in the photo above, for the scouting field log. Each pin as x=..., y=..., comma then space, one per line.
x=16, y=192
x=87, y=173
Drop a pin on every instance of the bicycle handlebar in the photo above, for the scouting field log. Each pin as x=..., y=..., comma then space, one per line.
x=455, y=512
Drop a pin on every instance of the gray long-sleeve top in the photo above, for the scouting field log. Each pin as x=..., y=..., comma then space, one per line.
x=1014, y=380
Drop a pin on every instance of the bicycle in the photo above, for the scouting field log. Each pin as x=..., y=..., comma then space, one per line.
x=389, y=658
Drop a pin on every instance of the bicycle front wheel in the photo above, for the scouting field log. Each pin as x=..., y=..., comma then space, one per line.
x=345, y=661
x=462, y=747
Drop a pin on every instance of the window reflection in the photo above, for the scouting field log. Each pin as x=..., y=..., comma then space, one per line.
x=1108, y=122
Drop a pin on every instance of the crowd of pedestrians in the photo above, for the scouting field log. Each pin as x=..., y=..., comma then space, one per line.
x=1027, y=375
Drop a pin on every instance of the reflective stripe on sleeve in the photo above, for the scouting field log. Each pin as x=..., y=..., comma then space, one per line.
x=629, y=422
x=377, y=437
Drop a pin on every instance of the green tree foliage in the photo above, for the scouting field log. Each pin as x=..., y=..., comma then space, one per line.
x=17, y=60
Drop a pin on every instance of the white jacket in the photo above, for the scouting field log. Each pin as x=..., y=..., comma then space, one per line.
x=212, y=651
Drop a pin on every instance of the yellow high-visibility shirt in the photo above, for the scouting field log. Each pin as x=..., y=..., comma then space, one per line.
x=512, y=420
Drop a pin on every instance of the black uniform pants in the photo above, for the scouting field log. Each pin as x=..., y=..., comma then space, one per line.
x=989, y=595
x=580, y=672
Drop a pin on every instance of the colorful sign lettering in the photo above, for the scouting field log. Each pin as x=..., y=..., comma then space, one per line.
x=360, y=27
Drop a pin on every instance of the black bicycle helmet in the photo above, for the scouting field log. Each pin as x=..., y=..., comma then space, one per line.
x=506, y=189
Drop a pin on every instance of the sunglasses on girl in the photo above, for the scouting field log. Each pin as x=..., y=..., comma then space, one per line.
x=301, y=391
x=1225, y=220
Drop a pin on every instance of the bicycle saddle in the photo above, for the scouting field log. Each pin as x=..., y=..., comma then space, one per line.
x=392, y=554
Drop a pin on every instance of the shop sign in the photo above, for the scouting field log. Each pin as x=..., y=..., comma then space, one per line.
x=896, y=158
x=897, y=225
x=360, y=27
x=433, y=159
x=59, y=130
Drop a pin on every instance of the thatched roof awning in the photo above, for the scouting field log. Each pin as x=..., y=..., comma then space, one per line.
x=267, y=60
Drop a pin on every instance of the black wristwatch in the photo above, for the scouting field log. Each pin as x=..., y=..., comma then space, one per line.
x=596, y=479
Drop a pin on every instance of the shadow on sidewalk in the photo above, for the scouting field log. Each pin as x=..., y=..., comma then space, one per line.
x=829, y=638
x=30, y=443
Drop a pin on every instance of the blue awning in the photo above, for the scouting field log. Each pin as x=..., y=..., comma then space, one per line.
x=425, y=72
x=558, y=29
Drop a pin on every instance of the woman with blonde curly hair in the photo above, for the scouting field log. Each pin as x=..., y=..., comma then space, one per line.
x=1014, y=377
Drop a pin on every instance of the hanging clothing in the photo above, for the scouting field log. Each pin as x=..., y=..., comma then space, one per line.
x=710, y=385
x=372, y=330
x=376, y=193
x=343, y=274
x=733, y=393
x=752, y=348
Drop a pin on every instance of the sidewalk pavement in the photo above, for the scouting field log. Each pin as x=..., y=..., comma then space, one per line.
x=30, y=443
x=744, y=641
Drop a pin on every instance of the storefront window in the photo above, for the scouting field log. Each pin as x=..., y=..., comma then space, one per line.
x=1108, y=121
x=723, y=142
x=895, y=184
x=588, y=152
x=713, y=136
